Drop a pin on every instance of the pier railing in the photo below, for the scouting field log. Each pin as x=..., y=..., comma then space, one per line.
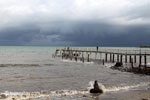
x=113, y=51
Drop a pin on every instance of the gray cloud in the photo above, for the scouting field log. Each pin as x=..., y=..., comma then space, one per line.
x=75, y=22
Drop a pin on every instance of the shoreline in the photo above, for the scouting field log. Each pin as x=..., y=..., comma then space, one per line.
x=120, y=95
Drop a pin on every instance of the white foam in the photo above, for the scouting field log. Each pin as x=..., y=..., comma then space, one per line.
x=27, y=95
x=59, y=93
x=117, y=88
x=73, y=61
x=108, y=65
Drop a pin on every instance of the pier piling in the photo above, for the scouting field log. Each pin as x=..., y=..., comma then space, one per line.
x=140, y=61
x=121, y=58
x=134, y=58
x=145, y=63
x=130, y=59
x=126, y=58
x=117, y=57
x=106, y=57
x=88, y=59
x=110, y=57
x=113, y=58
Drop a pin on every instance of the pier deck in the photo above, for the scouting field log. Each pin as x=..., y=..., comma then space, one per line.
x=133, y=57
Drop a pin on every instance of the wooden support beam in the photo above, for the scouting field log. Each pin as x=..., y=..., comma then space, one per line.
x=106, y=57
x=121, y=58
x=110, y=57
x=145, y=63
x=130, y=59
x=140, y=61
x=88, y=59
x=103, y=61
x=82, y=57
x=134, y=58
x=126, y=59
x=117, y=57
x=113, y=58
x=132, y=63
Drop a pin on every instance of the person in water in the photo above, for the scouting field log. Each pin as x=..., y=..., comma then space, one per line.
x=96, y=88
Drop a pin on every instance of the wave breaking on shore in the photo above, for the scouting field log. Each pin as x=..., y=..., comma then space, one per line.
x=64, y=93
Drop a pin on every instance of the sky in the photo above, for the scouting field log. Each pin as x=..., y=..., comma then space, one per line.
x=75, y=23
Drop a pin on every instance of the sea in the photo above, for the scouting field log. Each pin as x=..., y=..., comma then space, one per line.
x=32, y=73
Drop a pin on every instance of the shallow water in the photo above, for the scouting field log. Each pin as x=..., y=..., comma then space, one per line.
x=31, y=70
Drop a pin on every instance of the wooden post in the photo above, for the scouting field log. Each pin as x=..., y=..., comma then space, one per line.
x=132, y=63
x=76, y=59
x=126, y=58
x=71, y=54
x=130, y=58
x=117, y=57
x=103, y=62
x=76, y=56
x=82, y=57
x=113, y=58
x=60, y=52
x=88, y=59
x=110, y=57
x=145, y=63
x=134, y=58
x=140, y=61
x=106, y=57
x=121, y=58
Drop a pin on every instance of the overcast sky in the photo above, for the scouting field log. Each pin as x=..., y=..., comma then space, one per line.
x=74, y=22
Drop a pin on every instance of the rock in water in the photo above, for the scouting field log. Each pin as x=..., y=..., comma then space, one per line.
x=118, y=64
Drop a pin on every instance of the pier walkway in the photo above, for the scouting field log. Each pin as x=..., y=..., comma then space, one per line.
x=139, y=59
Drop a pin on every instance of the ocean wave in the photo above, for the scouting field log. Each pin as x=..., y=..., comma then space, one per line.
x=64, y=93
x=72, y=61
x=24, y=65
x=118, y=88
x=29, y=95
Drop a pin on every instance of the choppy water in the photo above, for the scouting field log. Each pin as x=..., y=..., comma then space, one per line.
x=31, y=72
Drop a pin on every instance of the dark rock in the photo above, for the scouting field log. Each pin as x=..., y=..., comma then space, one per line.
x=85, y=95
x=144, y=99
x=118, y=64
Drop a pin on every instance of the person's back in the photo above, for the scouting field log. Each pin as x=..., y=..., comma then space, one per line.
x=96, y=86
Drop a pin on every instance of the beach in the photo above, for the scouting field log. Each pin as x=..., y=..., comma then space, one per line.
x=35, y=75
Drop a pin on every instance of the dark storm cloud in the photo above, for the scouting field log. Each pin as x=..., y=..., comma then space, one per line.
x=17, y=35
x=75, y=23
x=109, y=35
x=78, y=34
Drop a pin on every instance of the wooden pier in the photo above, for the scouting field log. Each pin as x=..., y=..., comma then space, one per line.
x=138, y=59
